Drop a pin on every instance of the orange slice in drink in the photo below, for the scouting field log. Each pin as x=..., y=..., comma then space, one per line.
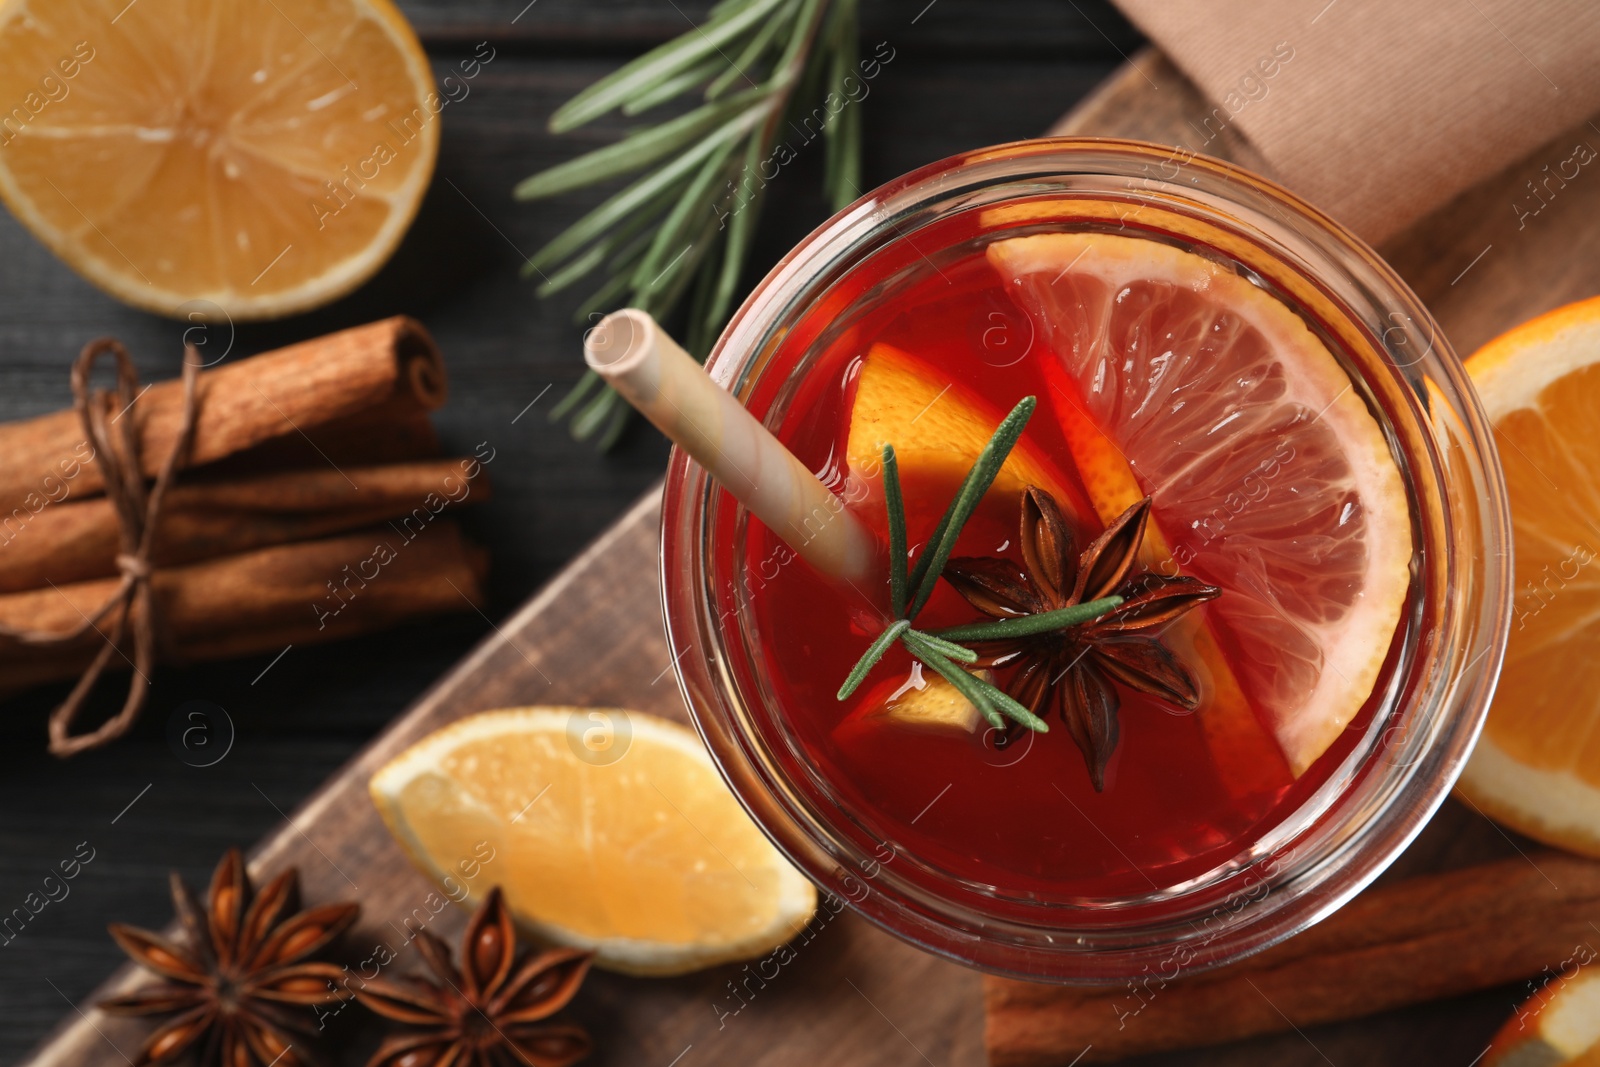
x=1269, y=476
x=261, y=157
x=937, y=428
x=1537, y=763
x=923, y=702
x=1248, y=759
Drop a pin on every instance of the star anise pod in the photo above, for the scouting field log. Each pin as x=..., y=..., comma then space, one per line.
x=490, y=1013
x=237, y=983
x=1072, y=670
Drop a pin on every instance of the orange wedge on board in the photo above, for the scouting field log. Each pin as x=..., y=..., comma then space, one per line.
x=1268, y=475
x=248, y=159
x=1537, y=764
x=607, y=829
x=1558, y=1026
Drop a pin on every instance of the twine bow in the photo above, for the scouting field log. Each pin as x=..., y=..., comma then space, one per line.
x=132, y=605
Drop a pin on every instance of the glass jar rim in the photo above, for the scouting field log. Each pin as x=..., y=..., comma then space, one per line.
x=1282, y=888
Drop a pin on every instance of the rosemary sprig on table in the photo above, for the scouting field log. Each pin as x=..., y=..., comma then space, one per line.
x=939, y=650
x=684, y=228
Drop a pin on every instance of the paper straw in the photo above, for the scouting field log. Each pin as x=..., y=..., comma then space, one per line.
x=637, y=358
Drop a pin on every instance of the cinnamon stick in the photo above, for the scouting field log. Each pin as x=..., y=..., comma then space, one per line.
x=1432, y=936
x=261, y=600
x=214, y=516
x=395, y=431
x=243, y=404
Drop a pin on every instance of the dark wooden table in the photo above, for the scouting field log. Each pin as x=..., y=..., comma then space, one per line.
x=965, y=73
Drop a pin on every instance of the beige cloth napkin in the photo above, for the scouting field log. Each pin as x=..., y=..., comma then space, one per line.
x=1378, y=111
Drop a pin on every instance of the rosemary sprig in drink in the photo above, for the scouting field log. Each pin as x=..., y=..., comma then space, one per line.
x=684, y=228
x=908, y=594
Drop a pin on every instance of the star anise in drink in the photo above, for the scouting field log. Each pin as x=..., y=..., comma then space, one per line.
x=237, y=984
x=493, y=1011
x=1071, y=671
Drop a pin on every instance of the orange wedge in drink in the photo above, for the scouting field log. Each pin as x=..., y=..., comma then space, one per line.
x=1537, y=764
x=1248, y=759
x=245, y=160
x=924, y=702
x=937, y=427
x=1180, y=380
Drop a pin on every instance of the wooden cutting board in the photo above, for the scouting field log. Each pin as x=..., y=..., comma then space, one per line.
x=853, y=996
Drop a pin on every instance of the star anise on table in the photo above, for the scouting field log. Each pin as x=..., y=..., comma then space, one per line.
x=237, y=984
x=491, y=1012
x=1071, y=670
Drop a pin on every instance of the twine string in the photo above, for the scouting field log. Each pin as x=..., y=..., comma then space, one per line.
x=132, y=605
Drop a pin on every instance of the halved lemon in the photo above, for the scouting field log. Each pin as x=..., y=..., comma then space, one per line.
x=261, y=156
x=1537, y=763
x=607, y=830
x=1269, y=477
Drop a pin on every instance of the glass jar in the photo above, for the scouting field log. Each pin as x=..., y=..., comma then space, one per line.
x=1452, y=633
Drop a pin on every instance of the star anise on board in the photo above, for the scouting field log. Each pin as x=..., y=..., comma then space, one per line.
x=238, y=984
x=490, y=1013
x=1072, y=670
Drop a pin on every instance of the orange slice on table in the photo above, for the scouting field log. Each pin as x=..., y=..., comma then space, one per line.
x=1269, y=477
x=1537, y=764
x=265, y=156
x=607, y=829
x=1559, y=1026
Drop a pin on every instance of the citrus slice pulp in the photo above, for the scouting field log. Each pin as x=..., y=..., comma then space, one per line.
x=1268, y=475
x=265, y=156
x=1537, y=763
x=635, y=849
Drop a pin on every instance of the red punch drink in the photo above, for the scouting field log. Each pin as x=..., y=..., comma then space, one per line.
x=1240, y=428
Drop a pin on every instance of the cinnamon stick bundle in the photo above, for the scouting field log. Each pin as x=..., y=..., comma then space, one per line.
x=1432, y=936
x=219, y=516
x=243, y=404
x=262, y=600
x=236, y=557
